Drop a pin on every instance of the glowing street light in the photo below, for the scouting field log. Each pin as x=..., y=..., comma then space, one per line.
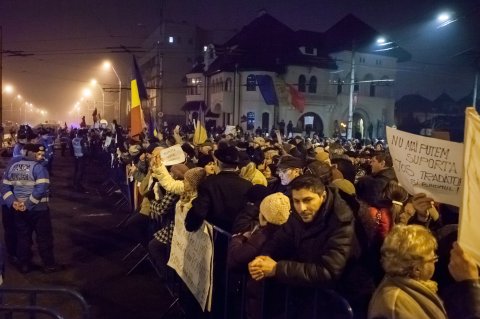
x=445, y=18
x=108, y=65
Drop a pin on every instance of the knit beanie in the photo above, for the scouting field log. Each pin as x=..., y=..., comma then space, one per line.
x=193, y=177
x=274, y=209
x=178, y=170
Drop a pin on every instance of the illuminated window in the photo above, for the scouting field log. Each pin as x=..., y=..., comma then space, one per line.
x=170, y=39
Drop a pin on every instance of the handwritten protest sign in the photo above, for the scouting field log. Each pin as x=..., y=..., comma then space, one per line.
x=427, y=165
x=172, y=155
x=468, y=234
x=191, y=256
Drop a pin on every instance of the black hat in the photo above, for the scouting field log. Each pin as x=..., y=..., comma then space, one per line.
x=227, y=154
x=204, y=160
x=288, y=161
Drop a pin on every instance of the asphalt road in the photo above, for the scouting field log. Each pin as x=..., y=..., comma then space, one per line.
x=89, y=243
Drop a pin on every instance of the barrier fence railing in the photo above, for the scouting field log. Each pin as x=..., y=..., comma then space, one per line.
x=32, y=308
x=229, y=300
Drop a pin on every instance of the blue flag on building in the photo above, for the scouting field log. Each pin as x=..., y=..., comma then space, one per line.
x=267, y=89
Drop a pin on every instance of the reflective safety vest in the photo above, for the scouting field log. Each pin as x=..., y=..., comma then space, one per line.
x=77, y=147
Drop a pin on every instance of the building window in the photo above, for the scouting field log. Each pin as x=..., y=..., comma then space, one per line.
x=361, y=60
x=228, y=85
x=251, y=83
x=378, y=62
x=312, y=85
x=171, y=39
x=372, y=89
x=309, y=50
x=302, y=83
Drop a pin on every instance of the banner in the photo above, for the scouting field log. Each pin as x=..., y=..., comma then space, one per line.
x=191, y=256
x=231, y=129
x=468, y=234
x=267, y=89
x=427, y=165
x=172, y=155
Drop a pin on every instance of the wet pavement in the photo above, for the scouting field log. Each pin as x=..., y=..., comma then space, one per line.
x=90, y=244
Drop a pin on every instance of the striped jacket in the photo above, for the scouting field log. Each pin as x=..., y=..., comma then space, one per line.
x=26, y=181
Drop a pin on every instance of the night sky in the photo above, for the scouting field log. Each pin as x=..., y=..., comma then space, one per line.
x=68, y=39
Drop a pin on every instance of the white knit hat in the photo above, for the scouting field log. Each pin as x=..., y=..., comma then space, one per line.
x=274, y=209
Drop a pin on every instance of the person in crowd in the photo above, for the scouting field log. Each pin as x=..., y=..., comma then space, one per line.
x=47, y=140
x=64, y=141
x=253, y=175
x=462, y=299
x=25, y=190
x=407, y=291
x=288, y=169
x=402, y=210
x=221, y=196
x=208, y=164
x=245, y=246
x=382, y=167
x=312, y=248
x=80, y=149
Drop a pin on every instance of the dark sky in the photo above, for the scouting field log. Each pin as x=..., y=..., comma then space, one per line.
x=68, y=39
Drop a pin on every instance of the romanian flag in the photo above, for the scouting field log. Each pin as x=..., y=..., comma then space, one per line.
x=139, y=94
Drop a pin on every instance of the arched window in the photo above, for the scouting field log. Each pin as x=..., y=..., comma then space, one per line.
x=368, y=87
x=302, y=83
x=251, y=83
x=312, y=85
x=228, y=85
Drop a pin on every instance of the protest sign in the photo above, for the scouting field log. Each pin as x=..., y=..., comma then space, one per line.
x=191, y=256
x=172, y=155
x=468, y=234
x=230, y=129
x=427, y=165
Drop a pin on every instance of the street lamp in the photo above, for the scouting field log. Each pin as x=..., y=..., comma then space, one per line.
x=87, y=93
x=107, y=65
x=94, y=82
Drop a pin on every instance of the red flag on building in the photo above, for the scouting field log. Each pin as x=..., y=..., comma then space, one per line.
x=297, y=99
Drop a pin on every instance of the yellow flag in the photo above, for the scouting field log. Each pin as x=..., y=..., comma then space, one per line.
x=200, y=134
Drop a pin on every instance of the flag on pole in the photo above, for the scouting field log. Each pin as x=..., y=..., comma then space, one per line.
x=297, y=99
x=200, y=134
x=138, y=93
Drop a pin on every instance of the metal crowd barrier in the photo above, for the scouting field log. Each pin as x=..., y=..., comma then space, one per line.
x=328, y=303
x=33, y=308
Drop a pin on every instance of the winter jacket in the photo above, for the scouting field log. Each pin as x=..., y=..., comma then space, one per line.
x=403, y=297
x=462, y=299
x=315, y=253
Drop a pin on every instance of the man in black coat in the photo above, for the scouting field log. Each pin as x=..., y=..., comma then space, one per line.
x=221, y=196
x=312, y=248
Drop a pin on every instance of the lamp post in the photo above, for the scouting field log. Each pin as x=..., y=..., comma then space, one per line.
x=108, y=65
x=350, y=97
x=94, y=82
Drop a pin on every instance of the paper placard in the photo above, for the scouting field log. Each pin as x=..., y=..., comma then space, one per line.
x=427, y=165
x=172, y=155
x=230, y=129
x=191, y=256
x=468, y=234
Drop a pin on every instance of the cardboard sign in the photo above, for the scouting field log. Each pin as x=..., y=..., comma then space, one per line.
x=172, y=155
x=427, y=165
x=468, y=234
x=191, y=256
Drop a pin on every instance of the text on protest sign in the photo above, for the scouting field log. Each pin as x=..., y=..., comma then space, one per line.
x=427, y=165
x=191, y=256
x=172, y=155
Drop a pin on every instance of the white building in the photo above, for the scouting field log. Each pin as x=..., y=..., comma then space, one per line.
x=228, y=89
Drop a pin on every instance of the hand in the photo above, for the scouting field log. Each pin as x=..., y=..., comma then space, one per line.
x=422, y=204
x=176, y=130
x=462, y=266
x=262, y=267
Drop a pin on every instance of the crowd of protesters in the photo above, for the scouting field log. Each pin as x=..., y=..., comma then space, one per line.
x=303, y=213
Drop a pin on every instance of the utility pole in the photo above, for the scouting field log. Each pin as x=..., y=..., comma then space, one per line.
x=350, y=98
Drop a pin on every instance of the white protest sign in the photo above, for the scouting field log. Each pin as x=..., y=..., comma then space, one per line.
x=191, y=256
x=468, y=234
x=427, y=165
x=172, y=155
x=230, y=129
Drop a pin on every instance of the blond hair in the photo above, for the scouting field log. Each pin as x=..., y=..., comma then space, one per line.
x=405, y=247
